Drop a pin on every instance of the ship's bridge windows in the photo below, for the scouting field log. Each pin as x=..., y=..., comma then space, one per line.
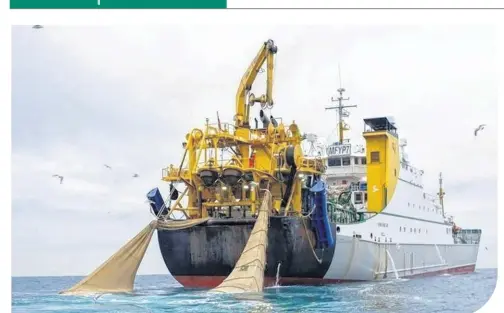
x=345, y=161
x=334, y=161
x=363, y=161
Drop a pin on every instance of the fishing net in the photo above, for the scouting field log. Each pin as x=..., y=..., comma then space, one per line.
x=248, y=273
x=117, y=274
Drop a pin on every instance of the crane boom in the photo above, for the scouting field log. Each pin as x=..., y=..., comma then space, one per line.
x=242, y=107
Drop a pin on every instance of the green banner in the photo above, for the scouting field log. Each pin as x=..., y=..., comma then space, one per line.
x=118, y=4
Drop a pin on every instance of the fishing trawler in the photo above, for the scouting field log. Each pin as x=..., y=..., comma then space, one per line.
x=351, y=213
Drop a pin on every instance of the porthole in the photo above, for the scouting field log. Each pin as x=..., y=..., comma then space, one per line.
x=337, y=229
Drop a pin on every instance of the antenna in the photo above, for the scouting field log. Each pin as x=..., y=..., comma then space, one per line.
x=340, y=112
x=339, y=73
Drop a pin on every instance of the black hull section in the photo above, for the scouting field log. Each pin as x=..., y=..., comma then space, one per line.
x=212, y=249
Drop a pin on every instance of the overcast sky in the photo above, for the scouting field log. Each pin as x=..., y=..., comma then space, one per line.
x=85, y=96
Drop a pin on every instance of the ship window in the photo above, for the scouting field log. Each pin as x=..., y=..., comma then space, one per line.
x=363, y=161
x=375, y=157
x=346, y=161
x=378, y=239
x=358, y=198
x=390, y=239
x=334, y=161
x=365, y=197
x=356, y=161
x=344, y=181
x=371, y=234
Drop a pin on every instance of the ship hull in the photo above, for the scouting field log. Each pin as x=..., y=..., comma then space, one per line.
x=203, y=256
x=367, y=260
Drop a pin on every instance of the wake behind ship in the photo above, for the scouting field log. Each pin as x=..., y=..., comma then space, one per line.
x=349, y=213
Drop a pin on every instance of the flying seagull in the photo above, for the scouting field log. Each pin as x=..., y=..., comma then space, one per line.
x=107, y=166
x=135, y=175
x=481, y=127
x=37, y=26
x=60, y=178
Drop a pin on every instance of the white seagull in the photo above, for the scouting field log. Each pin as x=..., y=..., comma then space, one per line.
x=60, y=178
x=107, y=166
x=481, y=127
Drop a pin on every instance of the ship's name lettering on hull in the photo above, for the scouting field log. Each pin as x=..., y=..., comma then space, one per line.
x=338, y=150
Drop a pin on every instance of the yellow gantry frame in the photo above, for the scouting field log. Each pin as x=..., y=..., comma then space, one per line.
x=268, y=144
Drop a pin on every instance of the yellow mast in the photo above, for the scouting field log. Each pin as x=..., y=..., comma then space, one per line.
x=441, y=193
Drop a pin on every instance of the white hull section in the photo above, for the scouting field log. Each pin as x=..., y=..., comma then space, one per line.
x=413, y=231
x=357, y=259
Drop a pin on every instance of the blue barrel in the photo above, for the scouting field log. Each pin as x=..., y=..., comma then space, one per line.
x=363, y=187
x=156, y=201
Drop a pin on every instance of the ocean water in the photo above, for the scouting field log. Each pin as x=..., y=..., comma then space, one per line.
x=161, y=293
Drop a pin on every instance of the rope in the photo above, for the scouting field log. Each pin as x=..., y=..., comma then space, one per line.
x=311, y=243
x=178, y=225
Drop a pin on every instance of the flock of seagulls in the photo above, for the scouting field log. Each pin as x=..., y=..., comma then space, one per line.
x=60, y=177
